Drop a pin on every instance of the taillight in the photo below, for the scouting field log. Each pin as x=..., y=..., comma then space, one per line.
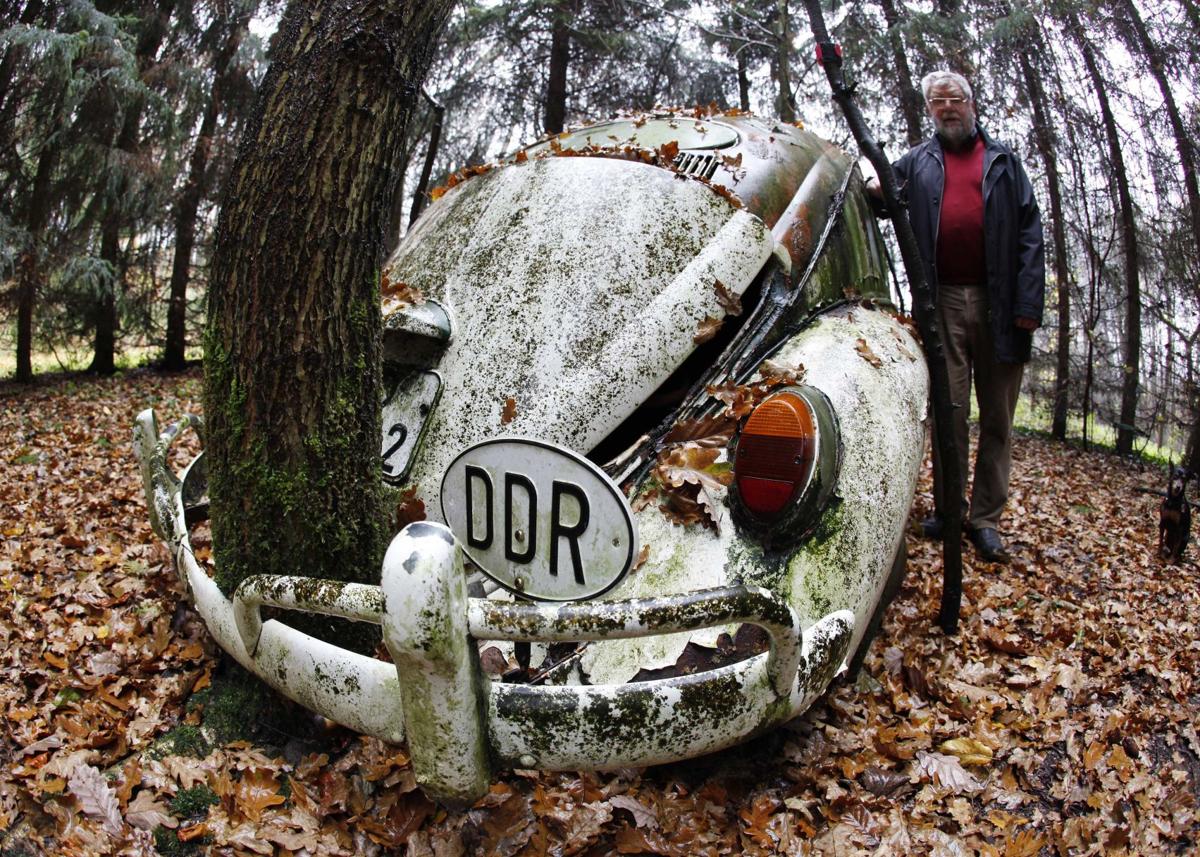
x=785, y=462
x=775, y=454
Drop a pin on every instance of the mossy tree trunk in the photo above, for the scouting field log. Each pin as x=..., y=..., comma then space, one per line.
x=292, y=346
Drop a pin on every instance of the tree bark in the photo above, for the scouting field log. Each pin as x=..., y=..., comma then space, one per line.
x=1131, y=359
x=923, y=310
x=195, y=188
x=1047, y=146
x=104, y=313
x=785, y=100
x=743, y=78
x=555, y=116
x=910, y=99
x=1141, y=40
x=293, y=342
x=37, y=217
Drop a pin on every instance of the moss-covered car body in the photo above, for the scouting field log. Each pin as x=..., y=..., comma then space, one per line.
x=617, y=300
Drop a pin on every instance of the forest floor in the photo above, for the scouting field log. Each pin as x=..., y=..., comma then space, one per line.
x=1060, y=720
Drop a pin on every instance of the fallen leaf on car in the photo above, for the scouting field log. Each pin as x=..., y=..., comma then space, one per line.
x=867, y=354
x=728, y=301
x=692, y=481
x=509, y=413
x=706, y=330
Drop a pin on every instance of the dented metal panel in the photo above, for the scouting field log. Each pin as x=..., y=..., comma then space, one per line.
x=571, y=299
x=880, y=410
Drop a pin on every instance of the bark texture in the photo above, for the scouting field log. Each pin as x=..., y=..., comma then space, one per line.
x=1131, y=360
x=194, y=190
x=292, y=347
x=104, y=313
x=911, y=102
x=555, y=117
x=1047, y=146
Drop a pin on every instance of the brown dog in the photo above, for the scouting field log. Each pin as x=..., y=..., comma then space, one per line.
x=1175, y=517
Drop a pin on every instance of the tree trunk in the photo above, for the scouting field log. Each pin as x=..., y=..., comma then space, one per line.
x=556, y=79
x=743, y=79
x=194, y=190
x=104, y=313
x=830, y=58
x=1131, y=360
x=37, y=216
x=1046, y=143
x=785, y=101
x=1141, y=40
x=292, y=348
x=910, y=99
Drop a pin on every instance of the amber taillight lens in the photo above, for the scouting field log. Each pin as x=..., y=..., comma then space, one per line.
x=776, y=453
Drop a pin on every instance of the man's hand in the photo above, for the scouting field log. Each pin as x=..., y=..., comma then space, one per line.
x=1026, y=323
x=874, y=188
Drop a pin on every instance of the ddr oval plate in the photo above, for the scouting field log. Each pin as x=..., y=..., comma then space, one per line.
x=540, y=520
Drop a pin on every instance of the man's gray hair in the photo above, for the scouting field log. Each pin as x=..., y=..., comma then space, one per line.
x=937, y=78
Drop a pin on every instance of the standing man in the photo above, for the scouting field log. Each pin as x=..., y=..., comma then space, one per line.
x=980, y=235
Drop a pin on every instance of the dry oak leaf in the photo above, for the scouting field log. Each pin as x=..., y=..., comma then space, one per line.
x=729, y=301
x=881, y=782
x=757, y=817
x=146, y=812
x=1025, y=843
x=867, y=354
x=406, y=814
x=631, y=840
x=772, y=370
x=706, y=330
x=968, y=750
x=947, y=772
x=690, y=476
x=713, y=431
x=509, y=413
x=256, y=791
x=95, y=797
x=643, y=816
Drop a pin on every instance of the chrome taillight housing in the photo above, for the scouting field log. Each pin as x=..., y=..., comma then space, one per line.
x=785, y=464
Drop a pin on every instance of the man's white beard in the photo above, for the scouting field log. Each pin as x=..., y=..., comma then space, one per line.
x=958, y=133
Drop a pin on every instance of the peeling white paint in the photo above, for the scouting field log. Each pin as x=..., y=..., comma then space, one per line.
x=577, y=334
x=880, y=412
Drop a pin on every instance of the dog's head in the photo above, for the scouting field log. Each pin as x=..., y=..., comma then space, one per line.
x=1177, y=484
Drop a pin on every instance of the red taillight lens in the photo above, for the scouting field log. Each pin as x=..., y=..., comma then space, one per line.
x=775, y=454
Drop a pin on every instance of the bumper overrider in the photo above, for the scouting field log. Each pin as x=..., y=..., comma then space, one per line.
x=460, y=725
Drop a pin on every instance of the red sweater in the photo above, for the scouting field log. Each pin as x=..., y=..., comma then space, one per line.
x=960, y=258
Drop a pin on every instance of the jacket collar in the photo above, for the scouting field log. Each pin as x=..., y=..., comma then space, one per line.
x=991, y=148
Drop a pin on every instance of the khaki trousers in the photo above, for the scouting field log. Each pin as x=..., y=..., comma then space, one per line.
x=966, y=333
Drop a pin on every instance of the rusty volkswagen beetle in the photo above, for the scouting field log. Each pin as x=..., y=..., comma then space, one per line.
x=648, y=381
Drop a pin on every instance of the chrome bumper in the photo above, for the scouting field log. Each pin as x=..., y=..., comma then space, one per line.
x=460, y=726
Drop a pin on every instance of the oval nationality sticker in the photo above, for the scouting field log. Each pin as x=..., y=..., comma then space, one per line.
x=540, y=520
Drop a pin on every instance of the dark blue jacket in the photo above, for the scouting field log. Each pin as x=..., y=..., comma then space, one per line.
x=1014, y=255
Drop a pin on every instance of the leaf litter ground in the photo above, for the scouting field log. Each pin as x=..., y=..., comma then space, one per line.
x=1061, y=720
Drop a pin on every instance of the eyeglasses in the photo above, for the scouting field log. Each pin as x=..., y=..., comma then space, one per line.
x=946, y=102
